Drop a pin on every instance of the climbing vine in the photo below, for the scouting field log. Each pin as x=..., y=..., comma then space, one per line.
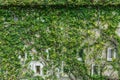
x=59, y=2
x=65, y=32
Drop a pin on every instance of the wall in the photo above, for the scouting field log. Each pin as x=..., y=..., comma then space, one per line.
x=63, y=29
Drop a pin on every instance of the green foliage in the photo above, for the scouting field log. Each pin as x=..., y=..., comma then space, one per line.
x=64, y=31
x=60, y=2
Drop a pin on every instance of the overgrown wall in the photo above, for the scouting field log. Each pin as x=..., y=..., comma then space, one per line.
x=59, y=2
x=62, y=29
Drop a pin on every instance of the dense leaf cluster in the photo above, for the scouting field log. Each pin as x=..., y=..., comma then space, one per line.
x=65, y=31
x=54, y=2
